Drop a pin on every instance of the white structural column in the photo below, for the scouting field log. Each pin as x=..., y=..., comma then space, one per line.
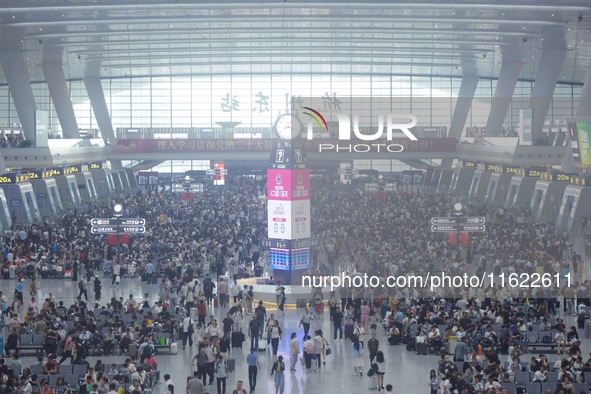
x=17, y=77
x=583, y=111
x=58, y=89
x=94, y=88
x=510, y=70
x=553, y=54
x=92, y=82
x=584, y=108
x=464, y=102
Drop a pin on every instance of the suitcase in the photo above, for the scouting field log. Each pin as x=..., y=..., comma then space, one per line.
x=174, y=348
x=154, y=279
x=132, y=350
x=144, y=277
x=237, y=339
x=262, y=345
x=215, y=302
x=349, y=330
x=231, y=364
x=301, y=303
x=422, y=349
x=410, y=346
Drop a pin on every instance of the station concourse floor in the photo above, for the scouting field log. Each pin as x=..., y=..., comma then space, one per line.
x=407, y=372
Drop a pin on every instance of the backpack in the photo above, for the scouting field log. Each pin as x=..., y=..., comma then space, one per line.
x=81, y=284
x=310, y=348
x=147, y=352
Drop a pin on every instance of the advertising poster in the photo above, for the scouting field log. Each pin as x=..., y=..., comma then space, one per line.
x=583, y=136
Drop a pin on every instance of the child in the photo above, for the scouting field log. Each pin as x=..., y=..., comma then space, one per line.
x=373, y=322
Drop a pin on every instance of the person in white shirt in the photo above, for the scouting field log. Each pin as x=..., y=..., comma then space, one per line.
x=187, y=333
x=359, y=331
x=294, y=349
x=478, y=385
x=213, y=330
x=238, y=320
x=540, y=375
x=189, y=300
x=25, y=386
x=116, y=274
x=168, y=381
x=445, y=384
x=130, y=302
x=560, y=340
x=136, y=376
x=306, y=320
x=236, y=290
x=492, y=383
x=434, y=338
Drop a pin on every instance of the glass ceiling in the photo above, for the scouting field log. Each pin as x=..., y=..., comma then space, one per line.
x=161, y=37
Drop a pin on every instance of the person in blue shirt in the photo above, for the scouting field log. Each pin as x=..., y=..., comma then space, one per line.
x=253, y=366
x=149, y=271
x=18, y=292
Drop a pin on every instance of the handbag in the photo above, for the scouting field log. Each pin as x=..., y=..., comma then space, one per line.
x=328, y=351
x=370, y=372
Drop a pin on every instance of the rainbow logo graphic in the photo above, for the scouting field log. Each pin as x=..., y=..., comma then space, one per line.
x=317, y=116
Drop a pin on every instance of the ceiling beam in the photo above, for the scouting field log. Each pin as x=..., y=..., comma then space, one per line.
x=282, y=20
x=171, y=31
x=212, y=6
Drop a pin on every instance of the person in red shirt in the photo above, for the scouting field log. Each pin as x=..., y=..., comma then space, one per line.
x=201, y=312
x=152, y=368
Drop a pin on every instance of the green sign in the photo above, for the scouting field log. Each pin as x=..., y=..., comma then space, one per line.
x=583, y=137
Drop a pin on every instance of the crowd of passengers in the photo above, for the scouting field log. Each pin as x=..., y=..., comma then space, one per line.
x=222, y=230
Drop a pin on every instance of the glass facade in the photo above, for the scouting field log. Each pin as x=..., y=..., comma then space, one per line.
x=256, y=100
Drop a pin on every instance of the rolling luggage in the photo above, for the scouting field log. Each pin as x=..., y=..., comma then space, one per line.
x=154, y=279
x=237, y=339
x=349, y=330
x=174, y=348
x=262, y=345
x=231, y=363
x=410, y=346
x=422, y=349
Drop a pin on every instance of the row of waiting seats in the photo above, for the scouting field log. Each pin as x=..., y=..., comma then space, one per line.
x=63, y=369
x=540, y=388
x=551, y=377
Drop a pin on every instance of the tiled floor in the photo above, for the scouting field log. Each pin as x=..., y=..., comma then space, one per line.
x=407, y=372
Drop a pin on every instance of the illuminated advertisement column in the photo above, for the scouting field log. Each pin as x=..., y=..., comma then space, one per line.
x=288, y=212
